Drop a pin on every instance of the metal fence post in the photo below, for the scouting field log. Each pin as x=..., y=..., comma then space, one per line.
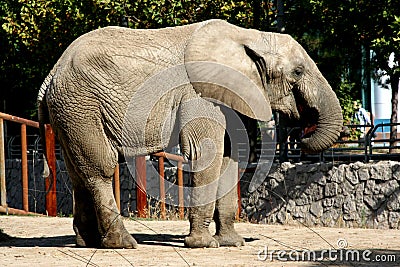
x=239, y=201
x=180, y=190
x=117, y=191
x=162, y=187
x=51, y=180
x=24, y=169
x=3, y=192
x=141, y=196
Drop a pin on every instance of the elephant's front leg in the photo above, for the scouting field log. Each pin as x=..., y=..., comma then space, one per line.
x=226, y=205
x=202, y=209
x=204, y=139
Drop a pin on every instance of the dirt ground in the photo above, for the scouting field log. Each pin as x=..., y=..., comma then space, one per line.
x=47, y=241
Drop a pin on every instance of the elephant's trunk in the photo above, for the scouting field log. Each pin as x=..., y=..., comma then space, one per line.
x=329, y=122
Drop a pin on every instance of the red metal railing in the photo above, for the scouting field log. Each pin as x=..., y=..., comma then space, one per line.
x=161, y=156
x=51, y=197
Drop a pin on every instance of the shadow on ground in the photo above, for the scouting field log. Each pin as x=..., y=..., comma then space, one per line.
x=167, y=240
x=54, y=241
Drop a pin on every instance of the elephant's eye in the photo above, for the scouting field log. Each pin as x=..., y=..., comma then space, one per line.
x=298, y=72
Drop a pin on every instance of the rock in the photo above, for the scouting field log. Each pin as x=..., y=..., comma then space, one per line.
x=359, y=190
x=277, y=175
x=273, y=183
x=356, y=165
x=281, y=217
x=301, y=178
x=363, y=174
x=310, y=220
x=330, y=218
x=339, y=200
x=328, y=202
x=286, y=166
x=318, y=178
x=389, y=187
x=381, y=172
x=301, y=168
x=393, y=203
x=375, y=201
x=338, y=174
x=347, y=188
x=331, y=189
x=394, y=219
x=325, y=167
x=316, y=209
x=369, y=188
x=382, y=220
x=290, y=205
x=396, y=171
x=349, y=209
x=315, y=191
x=300, y=211
x=313, y=167
x=250, y=210
x=304, y=199
x=351, y=176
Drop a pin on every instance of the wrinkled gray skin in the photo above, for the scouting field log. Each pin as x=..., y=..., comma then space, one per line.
x=87, y=94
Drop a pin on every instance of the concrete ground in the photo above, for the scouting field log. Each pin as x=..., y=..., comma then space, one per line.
x=48, y=241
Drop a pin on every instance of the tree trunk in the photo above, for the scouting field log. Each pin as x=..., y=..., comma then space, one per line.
x=280, y=17
x=257, y=14
x=394, y=83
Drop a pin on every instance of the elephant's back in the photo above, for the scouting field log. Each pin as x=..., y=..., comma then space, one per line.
x=117, y=57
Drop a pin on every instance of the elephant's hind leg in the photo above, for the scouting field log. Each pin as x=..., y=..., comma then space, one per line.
x=93, y=158
x=226, y=205
x=112, y=230
x=85, y=219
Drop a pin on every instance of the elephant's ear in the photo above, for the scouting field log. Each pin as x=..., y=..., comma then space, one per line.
x=222, y=66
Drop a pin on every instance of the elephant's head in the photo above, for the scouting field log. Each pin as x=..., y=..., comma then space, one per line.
x=283, y=78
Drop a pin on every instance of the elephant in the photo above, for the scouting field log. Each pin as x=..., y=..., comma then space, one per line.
x=119, y=91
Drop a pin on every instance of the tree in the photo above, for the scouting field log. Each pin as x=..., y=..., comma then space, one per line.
x=387, y=58
x=334, y=32
x=34, y=33
x=326, y=30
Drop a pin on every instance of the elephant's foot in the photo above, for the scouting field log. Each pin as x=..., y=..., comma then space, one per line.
x=80, y=242
x=204, y=240
x=118, y=239
x=229, y=239
x=87, y=236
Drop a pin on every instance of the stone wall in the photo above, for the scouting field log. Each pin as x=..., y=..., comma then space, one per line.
x=353, y=195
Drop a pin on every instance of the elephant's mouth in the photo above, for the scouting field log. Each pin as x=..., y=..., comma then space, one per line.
x=308, y=120
x=320, y=122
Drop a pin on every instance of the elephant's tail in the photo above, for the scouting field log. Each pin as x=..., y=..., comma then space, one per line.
x=41, y=100
x=43, y=117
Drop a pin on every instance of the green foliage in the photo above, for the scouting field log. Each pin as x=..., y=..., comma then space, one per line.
x=344, y=94
x=34, y=33
x=162, y=13
x=386, y=44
